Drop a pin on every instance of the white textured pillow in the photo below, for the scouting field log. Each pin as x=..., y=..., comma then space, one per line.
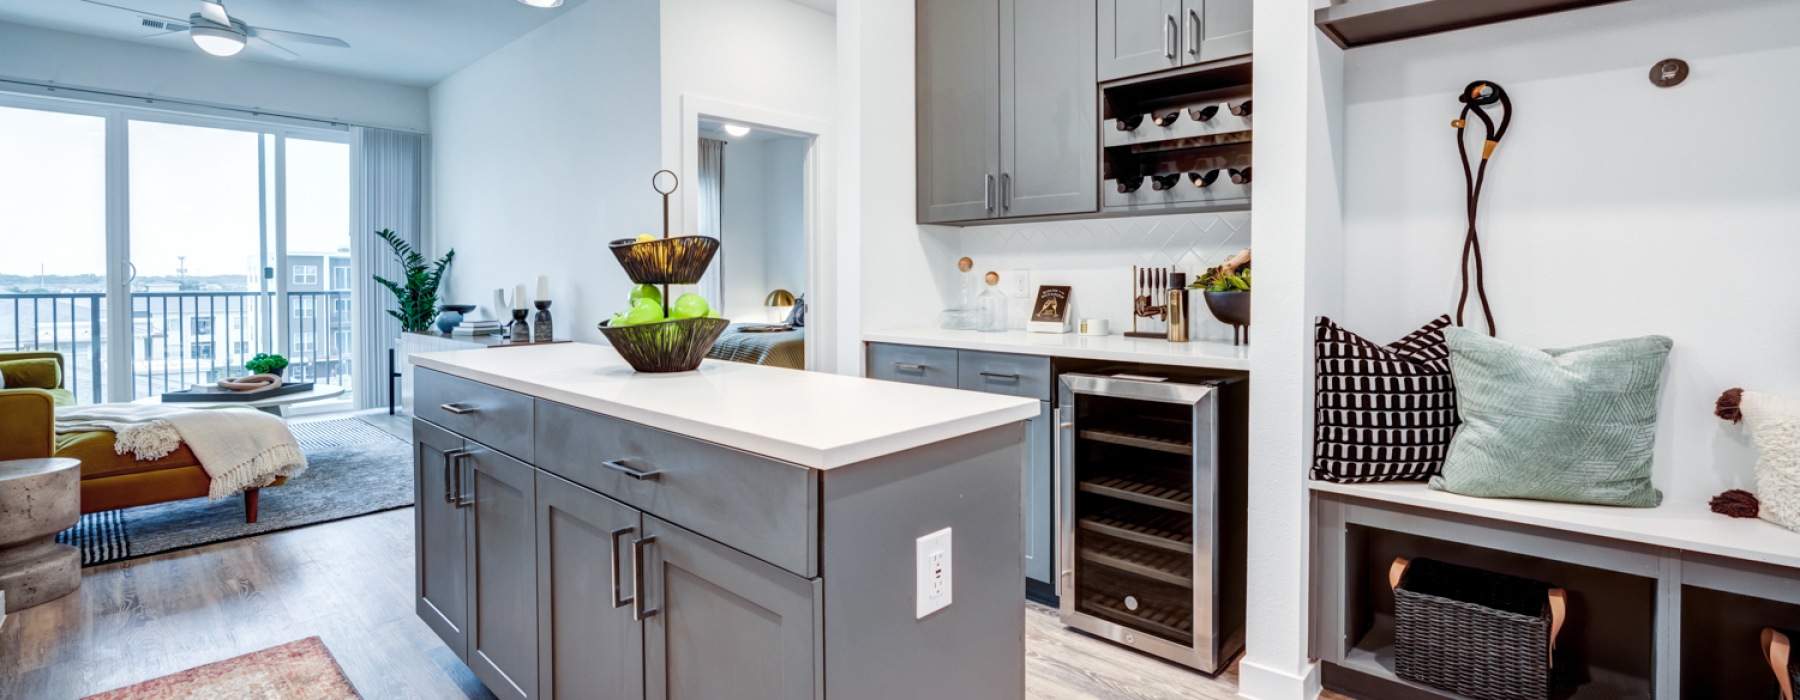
x=1774, y=423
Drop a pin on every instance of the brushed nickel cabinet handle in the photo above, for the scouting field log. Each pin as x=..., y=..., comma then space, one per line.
x=987, y=193
x=904, y=367
x=618, y=602
x=638, y=612
x=465, y=485
x=621, y=467
x=1193, y=32
x=1006, y=191
x=1000, y=375
x=450, y=473
x=458, y=408
x=1169, y=30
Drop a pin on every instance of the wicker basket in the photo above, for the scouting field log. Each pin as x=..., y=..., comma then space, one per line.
x=1476, y=633
x=666, y=346
x=678, y=260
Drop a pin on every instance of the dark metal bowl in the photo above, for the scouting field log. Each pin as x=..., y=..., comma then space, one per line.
x=678, y=260
x=665, y=346
x=1233, y=309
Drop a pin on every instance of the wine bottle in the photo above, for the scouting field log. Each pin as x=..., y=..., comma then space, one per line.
x=1241, y=109
x=1164, y=182
x=1240, y=177
x=1168, y=119
x=1130, y=123
x=1128, y=185
x=1204, y=114
x=1205, y=179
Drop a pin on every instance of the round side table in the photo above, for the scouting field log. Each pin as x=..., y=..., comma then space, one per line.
x=38, y=498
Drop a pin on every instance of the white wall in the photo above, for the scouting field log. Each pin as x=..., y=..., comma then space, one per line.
x=37, y=54
x=763, y=231
x=542, y=153
x=1613, y=208
x=785, y=172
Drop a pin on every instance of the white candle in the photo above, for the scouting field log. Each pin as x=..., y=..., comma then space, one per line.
x=543, y=288
x=518, y=296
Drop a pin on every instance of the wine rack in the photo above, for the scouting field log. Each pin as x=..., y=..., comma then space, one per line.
x=1172, y=142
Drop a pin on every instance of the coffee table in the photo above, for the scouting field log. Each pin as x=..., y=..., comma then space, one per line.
x=275, y=404
x=38, y=498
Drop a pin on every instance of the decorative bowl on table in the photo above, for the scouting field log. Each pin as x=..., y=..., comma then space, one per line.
x=1232, y=309
x=675, y=260
x=665, y=346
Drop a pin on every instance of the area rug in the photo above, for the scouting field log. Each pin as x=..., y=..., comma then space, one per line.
x=354, y=468
x=300, y=670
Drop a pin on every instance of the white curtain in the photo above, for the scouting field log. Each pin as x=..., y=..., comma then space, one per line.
x=712, y=192
x=387, y=184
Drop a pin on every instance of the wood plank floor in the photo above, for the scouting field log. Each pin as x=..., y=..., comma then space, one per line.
x=351, y=583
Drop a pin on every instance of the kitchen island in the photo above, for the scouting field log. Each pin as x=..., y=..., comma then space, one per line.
x=745, y=532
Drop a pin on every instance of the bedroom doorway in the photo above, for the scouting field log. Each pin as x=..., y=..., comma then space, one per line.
x=754, y=181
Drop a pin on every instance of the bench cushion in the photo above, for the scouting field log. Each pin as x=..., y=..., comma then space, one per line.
x=95, y=450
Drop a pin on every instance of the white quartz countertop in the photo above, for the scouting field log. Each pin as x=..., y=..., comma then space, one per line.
x=1206, y=354
x=812, y=419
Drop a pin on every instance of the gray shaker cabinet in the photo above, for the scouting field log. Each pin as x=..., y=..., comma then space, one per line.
x=719, y=623
x=1222, y=31
x=502, y=572
x=440, y=527
x=589, y=644
x=958, y=67
x=1048, y=108
x=1146, y=36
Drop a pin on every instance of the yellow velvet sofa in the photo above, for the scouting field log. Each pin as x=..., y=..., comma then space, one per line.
x=108, y=480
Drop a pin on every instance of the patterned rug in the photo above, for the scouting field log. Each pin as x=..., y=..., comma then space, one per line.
x=353, y=468
x=300, y=670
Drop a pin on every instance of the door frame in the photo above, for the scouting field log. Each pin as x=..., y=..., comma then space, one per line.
x=818, y=241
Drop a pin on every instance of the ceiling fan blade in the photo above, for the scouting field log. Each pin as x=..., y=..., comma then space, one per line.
x=182, y=20
x=182, y=30
x=275, y=48
x=285, y=35
x=214, y=12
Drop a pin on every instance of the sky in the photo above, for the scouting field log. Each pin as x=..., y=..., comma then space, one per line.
x=194, y=193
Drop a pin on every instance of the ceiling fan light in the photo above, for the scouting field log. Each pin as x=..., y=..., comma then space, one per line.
x=216, y=41
x=546, y=4
x=737, y=130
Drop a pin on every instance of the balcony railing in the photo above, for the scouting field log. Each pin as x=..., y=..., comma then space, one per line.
x=179, y=339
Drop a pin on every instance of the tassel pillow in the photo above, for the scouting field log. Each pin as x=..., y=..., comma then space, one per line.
x=1384, y=412
x=1774, y=424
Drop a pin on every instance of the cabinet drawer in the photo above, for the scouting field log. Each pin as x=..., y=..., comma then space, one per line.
x=765, y=508
x=491, y=416
x=1002, y=373
x=913, y=365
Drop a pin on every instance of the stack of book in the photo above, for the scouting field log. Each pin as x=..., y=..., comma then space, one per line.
x=478, y=327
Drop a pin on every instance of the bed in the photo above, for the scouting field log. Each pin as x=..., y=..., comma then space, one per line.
x=775, y=349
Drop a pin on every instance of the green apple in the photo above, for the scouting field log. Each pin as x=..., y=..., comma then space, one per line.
x=645, y=237
x=690, y=306
x=644, y=311
x=618, y=321
x=713, y=313
x=645, y=291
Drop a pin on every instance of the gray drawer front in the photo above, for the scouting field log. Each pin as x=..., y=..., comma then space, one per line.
x=913, y=365
x=764, y=508
x=1001, y=373
x=491, y=416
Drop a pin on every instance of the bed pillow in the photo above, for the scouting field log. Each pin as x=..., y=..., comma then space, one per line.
x=1383, y=413
x=1576, y=425
x=35, y=373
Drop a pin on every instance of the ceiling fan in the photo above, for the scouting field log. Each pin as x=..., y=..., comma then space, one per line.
x=220, y=34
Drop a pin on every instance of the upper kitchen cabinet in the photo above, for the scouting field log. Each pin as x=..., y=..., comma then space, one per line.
x=1145, y=36
x=1007, y=109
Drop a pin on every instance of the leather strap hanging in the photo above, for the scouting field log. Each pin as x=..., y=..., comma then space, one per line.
x=1474, y=98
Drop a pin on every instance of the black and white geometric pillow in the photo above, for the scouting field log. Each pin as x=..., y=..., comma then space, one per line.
x=1383, y=413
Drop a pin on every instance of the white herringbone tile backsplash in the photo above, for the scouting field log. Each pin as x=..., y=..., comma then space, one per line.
x=1095, y=258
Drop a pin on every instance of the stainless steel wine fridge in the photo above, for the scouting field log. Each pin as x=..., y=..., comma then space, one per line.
x=1151, y=513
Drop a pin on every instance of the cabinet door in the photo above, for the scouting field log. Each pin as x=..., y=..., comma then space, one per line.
x=1039, y=508
x=1218, y=29
x=958, y=87
x=440, y=533
x=500, y=492
x=1138, y=36
x=1049, y=108
x=587, y=646
x=722, y=624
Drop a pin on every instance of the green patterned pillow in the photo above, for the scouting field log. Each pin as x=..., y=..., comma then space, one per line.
x=1575, y=425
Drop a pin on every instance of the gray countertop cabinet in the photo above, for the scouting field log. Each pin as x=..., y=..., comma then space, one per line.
x=501, y=493
x=584, y=568
x=440, y=528
x=1146, y=36
x=958, y=106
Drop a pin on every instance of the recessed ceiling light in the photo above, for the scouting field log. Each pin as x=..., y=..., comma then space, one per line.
x=217, y=41
x=736, y=130
x=543, y=3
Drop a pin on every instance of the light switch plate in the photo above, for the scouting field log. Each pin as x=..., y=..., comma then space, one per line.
x=1021, y=284
x=933, y=562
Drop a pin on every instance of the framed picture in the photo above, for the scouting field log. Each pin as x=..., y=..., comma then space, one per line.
x=1050, y=310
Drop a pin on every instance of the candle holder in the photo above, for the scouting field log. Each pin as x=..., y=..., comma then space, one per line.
x=521, y=331
x=541, y=329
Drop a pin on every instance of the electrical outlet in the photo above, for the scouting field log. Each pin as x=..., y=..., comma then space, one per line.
x=1021, y=283
x=934, y=560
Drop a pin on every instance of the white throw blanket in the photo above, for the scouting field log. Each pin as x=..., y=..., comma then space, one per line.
x=239, y=448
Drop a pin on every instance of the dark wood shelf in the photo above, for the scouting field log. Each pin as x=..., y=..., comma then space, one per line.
x=1160, y=434
x=1166, y=492
x=1145, y=525
x=1353, y=23
x=1148, y=562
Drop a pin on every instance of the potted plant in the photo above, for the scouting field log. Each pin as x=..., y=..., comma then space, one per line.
x=1227, y=289
x=417, y=296
x=267, y=363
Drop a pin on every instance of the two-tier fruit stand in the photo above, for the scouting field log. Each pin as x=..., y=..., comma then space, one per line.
x=671, y=345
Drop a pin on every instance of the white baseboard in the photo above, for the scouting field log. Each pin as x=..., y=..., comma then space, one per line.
x=1259, y=682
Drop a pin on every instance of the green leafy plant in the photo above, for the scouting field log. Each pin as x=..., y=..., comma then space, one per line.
x=1233, y=275
x=266, y=363
x=417, y=298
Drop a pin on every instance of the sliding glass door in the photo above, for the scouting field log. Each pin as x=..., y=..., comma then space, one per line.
x=317, y=261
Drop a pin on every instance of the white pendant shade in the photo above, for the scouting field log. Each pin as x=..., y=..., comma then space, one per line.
x=543, y=3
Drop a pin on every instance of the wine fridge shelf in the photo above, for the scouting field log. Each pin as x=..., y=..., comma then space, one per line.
x=1173, y=623
x=1148, y=562
x=1160, y=434
x=1153, y=527
x=1167, y=491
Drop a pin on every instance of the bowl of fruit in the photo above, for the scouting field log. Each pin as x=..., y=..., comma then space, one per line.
x=673, y=260
x=654, y=336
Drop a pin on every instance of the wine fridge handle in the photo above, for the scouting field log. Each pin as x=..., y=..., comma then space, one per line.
x=1064, y=531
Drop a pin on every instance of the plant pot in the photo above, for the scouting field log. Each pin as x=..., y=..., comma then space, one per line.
x=678, y=260
x=665, y=346
x=1233, y=309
